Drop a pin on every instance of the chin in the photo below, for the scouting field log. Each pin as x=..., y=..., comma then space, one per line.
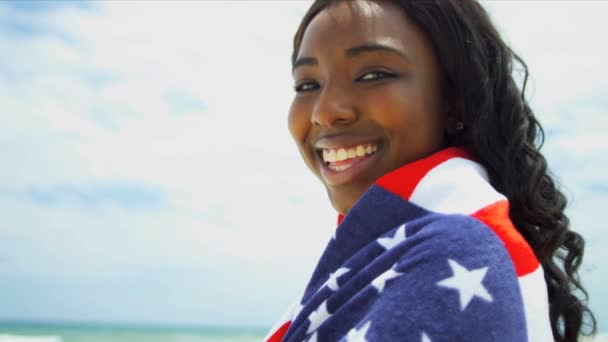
x=341, y=208
x=345, y=198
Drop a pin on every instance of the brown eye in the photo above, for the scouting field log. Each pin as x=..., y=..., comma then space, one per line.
x=375, y=75
x=305, y=87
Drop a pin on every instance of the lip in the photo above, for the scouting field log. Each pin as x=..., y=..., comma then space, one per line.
x=359, y=167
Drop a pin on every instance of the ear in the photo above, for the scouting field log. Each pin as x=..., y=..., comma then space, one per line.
x=451, y=120
x=454, y=126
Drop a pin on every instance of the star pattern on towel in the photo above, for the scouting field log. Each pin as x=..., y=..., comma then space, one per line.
x=467, y=283
x=390, y=242
x=317, y=317
x=444, y=269
x=358, y=335
x=380, y=281
x=332, y=282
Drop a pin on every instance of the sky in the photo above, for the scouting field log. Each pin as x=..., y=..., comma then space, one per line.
x=148, y=175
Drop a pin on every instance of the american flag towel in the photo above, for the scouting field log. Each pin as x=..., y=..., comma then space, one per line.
x=427, y=254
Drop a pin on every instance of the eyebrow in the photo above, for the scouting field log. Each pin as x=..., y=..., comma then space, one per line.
x=374, y=47
x=352, y=52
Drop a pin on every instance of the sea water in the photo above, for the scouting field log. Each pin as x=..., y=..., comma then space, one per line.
x=107, y=333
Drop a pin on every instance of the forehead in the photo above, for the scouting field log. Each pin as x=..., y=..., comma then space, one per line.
x=350, y=23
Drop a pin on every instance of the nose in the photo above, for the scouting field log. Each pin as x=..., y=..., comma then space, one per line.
x=335, y=107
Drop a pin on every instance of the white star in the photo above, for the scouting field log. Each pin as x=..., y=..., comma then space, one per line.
x=355, y=335
x=318, y=317
x=467, y=283
x=425, y=338
x=332, y=282
x=380, y=281
x=313, y=338
x=389, y=243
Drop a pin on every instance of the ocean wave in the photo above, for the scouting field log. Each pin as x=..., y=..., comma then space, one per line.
x=19, y=338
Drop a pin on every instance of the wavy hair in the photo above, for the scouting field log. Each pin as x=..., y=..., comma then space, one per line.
x=477, y=71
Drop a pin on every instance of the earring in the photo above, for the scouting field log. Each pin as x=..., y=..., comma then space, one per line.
x=459, y=126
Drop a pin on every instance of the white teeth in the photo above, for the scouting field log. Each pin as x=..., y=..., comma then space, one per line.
x=341, y=155
x=351, y=153
x=333, y=155
x=339, y=167
x=360, y=151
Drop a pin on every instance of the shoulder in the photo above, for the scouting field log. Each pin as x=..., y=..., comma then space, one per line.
x=441, y=245
x=454, y=236
x=485, y=234
x=453, y=278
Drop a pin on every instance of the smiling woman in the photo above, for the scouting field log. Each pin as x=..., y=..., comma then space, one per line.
x=449, y=224
x=381, y=94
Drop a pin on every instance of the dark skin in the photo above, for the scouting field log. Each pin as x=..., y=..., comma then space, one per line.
x=365, y=76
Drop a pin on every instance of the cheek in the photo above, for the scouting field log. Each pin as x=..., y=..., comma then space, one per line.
x=410, y=115
x=394, y=108
x=298, y=122
x=299, y=127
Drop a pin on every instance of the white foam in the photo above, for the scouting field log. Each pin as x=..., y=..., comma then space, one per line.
x=18, y=338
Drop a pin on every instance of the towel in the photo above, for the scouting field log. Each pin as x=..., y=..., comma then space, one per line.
x=428, y=253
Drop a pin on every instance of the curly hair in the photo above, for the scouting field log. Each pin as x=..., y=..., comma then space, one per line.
x=500, y=129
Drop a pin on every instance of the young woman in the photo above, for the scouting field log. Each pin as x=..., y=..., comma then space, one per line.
x=450, y=227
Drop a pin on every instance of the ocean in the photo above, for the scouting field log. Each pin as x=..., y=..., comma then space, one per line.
x=21, y=332
x=122, y=333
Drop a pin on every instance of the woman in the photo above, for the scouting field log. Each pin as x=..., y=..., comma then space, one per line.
x=449, y=223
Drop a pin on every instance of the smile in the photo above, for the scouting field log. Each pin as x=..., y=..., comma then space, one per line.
x=341, y=159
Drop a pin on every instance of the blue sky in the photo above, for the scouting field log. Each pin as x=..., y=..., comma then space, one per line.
x=148, y=174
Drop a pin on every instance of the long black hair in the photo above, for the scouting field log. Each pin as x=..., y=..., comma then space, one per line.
x=477, y=71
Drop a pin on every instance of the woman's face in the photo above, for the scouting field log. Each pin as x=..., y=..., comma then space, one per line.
x=367, y=97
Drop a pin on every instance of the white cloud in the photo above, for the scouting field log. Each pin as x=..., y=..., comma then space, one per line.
x=93, y=108
x=86, y=102
x=562, y=43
